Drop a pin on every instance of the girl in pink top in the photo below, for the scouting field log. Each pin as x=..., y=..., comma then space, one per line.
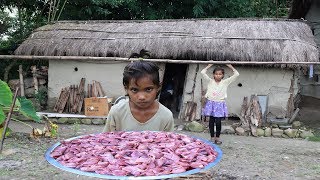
x=216, y=95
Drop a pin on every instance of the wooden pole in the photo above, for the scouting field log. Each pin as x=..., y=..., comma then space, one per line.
x=21, y=81
x=102, y=59
x=35, y=79
x=8, y=119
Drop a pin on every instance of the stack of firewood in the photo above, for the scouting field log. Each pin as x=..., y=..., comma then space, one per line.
x=71, y=99
x=95, y=90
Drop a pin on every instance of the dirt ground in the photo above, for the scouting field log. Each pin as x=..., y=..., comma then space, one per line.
x=243, y=157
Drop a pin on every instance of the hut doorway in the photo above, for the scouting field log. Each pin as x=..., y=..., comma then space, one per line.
x=172, y=87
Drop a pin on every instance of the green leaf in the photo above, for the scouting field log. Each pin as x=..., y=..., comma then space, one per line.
x=27, y=109
x=8, y=131
x=2, y=116
x=5, y=94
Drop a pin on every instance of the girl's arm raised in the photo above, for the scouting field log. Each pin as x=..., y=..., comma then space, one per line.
x=204, y=72
x=234, y=76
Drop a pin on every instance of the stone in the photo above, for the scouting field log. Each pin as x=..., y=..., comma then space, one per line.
x=267, y=132
x=296, y=124
x=284, y=136
x=227, y=130
x=274, y=125
x=260, y=132
x=240, y=131
x=62, y=120
x=73, y=121
x=276, y=132
x=195, y=127
x=98, y=121
x=86, y=121
x=180, y=127
x=291, y=132
x=304, y=134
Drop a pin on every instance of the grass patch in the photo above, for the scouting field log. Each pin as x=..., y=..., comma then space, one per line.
x=315, y=138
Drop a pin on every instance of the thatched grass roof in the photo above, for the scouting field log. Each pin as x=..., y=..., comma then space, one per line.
x=197, y=39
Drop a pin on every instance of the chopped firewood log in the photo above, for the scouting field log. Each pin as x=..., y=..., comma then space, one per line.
x=62, y=101
x=244, y=109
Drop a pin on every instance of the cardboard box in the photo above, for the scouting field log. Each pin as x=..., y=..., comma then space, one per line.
x=96, y=106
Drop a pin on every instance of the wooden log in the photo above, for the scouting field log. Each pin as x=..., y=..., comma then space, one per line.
x=35, y=80
x=294, y=116
x=290, y=102
x=247, y=116
x=107, y=59
x=193, y=112
x=58, y=102
x=81, y=94
x=64, y=100
x=100, y=90
x=21, y=81
x=244, y=108
x=255, y=115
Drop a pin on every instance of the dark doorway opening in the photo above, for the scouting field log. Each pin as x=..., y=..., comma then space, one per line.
x=172, y=87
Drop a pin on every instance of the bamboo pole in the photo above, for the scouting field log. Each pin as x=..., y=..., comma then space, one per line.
x=8, y=119
x=35, y=79
x=21, y=81
x=91, y=58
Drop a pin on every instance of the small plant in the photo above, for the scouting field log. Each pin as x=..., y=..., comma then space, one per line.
x=41, y=96
x=22, y=105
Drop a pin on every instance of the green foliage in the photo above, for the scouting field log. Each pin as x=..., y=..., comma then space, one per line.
x=23, y=105
x=27, y=109
x=5, y=95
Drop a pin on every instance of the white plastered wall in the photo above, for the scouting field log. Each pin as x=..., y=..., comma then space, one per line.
x=62, y=74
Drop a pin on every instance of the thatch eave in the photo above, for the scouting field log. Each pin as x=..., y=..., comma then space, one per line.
x=198, y=39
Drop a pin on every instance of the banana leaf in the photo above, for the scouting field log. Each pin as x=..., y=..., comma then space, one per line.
x=27, y=109
x=2, y=116
x=5, y=94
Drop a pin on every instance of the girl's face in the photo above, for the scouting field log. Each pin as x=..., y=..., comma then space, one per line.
x=142, y=92
x=218, y=75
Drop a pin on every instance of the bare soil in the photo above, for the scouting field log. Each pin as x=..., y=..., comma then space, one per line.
x=243, y=157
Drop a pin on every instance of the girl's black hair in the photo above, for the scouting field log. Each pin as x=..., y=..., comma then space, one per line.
x=139, y=69
x=218, y=69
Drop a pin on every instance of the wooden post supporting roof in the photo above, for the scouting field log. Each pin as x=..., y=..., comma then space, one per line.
x=108, y=59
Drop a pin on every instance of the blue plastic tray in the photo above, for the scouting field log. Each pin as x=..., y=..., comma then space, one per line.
x=92, y=174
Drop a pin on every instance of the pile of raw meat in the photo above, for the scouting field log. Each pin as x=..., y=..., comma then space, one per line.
x=145, y=153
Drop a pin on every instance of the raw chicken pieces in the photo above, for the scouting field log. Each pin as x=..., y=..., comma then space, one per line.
x=145, y=153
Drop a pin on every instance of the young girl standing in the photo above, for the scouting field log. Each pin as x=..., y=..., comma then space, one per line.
x=141, y=111
x=216, y=95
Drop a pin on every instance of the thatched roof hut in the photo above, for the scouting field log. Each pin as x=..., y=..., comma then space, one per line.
x=197, y=39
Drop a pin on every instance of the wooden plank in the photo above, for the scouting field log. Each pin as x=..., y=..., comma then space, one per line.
x=58, y=115
x=64, y=100
x=103, y=93
x=121, y=59
x=56, y=106
x=81, y=94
